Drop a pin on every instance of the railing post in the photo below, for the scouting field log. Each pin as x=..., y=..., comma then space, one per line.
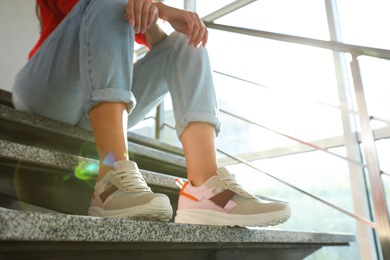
x=190, y=5
x=159, y=120
x=365, y=234
x=374, y=174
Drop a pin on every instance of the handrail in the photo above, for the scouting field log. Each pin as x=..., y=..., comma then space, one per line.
x=386, y=121
x=356, y=50
x=295, y=139
x=227, y=10
x=368, y=140
x=296, y=97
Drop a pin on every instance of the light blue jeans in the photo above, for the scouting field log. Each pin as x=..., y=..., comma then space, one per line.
x=89, y=59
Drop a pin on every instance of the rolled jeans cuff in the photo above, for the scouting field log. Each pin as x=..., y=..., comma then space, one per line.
x=188, y=118
x=111, y=95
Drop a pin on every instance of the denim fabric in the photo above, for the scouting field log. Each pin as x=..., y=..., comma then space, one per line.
x=89, y=59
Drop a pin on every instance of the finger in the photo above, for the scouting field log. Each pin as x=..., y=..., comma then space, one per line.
x=190, y=26
x=138, y=16
x=205, y=38
x=195, y=30
x=153, y=15
x=201, y=33
x=146, y=8
x=130, y=13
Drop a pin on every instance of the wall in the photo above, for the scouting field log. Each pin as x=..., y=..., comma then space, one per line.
x=19, y=30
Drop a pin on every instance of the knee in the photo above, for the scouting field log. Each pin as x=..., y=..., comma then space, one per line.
x=185, y=51
x=109, y=15
x=110, y=6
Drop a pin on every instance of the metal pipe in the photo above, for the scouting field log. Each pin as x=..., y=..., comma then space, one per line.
x=227, y=10
x=374, y=174
x=386, y=121
x=385, y=173
x=190, y=5
x=290, y=94
x=296, y=139
x=159, y=124
x=331, y=45
x=366, y=240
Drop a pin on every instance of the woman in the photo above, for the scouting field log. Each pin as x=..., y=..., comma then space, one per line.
x=81, y=72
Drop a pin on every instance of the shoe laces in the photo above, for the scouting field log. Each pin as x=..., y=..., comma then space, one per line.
x=130, y=181
x=229, y=182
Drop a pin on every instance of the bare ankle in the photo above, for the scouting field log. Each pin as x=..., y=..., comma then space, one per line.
x=199, y=180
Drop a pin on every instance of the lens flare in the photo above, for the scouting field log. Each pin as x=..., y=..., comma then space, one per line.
x=110, y=159
x=86, y=170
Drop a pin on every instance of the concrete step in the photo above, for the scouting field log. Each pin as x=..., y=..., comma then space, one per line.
x=46, y=181
x=58, y=236
x=25, y=128
x=5, y=98
x=54, y=180
x=8, y=202
x=6, y=101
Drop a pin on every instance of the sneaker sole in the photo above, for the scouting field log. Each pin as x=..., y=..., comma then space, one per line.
x=158, y=209
x=210, y=217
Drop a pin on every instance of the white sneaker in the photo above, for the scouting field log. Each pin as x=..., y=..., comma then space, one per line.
x=123, y=193
x=222, y=201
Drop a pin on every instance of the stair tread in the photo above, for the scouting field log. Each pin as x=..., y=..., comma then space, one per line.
x=8, y=202
x=52, y=148
x=6, y=98
x=158, y=150
x=53, y=159
x=44, y=123
x=34, y=226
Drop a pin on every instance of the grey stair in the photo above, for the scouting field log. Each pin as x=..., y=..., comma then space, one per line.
x=41, y=132
x=8, y=202
x=51, y=159
x=35, y=175
x=43, y=204
x=6, y=98
x=39, y=235
x=45, y=178
x=153, y=143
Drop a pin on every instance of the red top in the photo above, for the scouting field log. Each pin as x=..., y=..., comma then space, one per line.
x=53, y=12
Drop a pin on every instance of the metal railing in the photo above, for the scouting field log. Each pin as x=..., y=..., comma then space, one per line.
x=372, y=165
x=381, y=225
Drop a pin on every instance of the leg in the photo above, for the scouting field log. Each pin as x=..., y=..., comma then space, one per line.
x=186, y=72
x=212, y=196
x=109, y=126
x=196, y=110
x=70, y=75
x=75, y=68
x=120, y=190
x=199, y=148
x=92, y=74
x=49, y=84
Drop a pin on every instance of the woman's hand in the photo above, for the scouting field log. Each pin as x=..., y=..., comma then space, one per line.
x=185, y=22
x=141, y=14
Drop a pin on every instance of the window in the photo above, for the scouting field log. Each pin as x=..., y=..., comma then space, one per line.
x=291, y=92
